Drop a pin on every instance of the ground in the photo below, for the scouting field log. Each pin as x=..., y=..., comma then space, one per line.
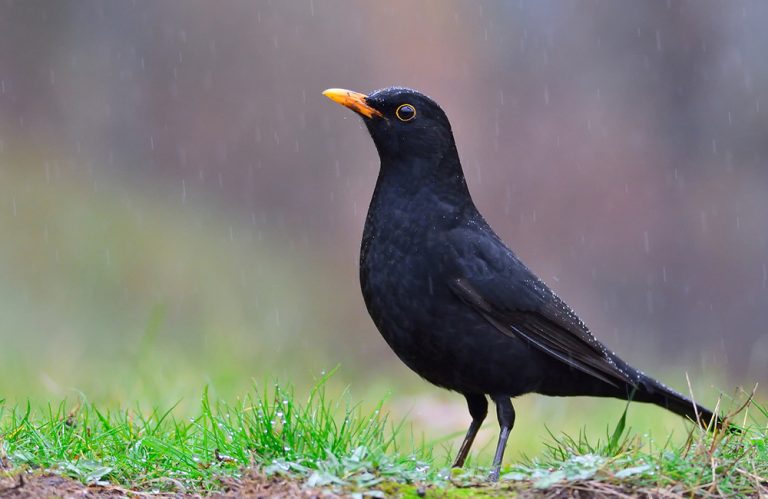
x=253, y=484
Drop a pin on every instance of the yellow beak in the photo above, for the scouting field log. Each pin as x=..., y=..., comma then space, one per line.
x=353, y=100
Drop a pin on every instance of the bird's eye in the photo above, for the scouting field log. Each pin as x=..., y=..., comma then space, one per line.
x=405, y=112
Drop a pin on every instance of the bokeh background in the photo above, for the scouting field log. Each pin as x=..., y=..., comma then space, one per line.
x=180, y=206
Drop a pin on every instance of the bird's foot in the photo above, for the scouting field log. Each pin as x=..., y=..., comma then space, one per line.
x=494, y=475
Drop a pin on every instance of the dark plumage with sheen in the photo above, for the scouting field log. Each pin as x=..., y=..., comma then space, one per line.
x=455, y=304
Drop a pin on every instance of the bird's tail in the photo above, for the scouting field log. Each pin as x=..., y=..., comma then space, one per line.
x=655, y=392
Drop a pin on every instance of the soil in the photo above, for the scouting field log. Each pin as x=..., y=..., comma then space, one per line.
x=255, y=485
x=252, y=485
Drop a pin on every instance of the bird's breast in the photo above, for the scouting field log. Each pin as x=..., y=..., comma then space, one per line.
x=401, y=263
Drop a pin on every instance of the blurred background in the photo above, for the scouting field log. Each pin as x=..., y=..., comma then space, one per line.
x=180, y=206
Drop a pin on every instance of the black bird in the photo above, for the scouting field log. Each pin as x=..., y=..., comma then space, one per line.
x=452, y=300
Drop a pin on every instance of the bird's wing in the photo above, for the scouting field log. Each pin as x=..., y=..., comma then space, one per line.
x=518, y=304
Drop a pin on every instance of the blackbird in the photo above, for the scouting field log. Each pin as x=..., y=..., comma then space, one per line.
x=455, y=304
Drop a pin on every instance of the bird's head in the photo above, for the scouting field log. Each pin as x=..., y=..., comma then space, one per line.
x=404, y=123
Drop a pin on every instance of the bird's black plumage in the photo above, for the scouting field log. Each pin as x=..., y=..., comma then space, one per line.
x=452, y=300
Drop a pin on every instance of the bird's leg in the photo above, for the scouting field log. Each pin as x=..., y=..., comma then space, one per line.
x=478, y=409
x=506, y=415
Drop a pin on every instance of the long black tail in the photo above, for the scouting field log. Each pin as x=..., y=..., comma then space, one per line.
x=650, y=390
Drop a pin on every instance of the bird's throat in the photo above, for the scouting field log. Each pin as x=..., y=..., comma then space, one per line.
x=417, y=194
x=437, y=175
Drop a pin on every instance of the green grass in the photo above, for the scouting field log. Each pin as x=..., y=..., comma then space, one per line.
x=332, y=442
x=709, y=462
x=269, y=427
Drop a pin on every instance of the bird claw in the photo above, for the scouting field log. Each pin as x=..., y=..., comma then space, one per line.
x=493, y=476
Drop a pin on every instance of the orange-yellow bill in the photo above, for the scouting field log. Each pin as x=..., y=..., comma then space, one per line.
x=353, y=100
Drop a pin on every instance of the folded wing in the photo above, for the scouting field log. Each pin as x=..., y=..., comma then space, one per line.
x=528, y=310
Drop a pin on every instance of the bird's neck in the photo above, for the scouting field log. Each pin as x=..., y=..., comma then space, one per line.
x=421, y=195
x=417, y=194
x=439, y=176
